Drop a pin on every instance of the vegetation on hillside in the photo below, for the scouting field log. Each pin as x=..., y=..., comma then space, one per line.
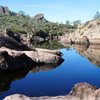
x=21, y=23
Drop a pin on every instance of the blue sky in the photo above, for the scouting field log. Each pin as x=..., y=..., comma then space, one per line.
x=56, y=10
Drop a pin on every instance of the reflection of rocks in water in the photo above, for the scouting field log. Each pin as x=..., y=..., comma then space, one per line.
x=92, y=52
x=45, y=67
x=81, y=48
x=7, y=78
x=52, y=44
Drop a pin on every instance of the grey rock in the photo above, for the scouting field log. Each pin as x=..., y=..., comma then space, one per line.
x=39, y=16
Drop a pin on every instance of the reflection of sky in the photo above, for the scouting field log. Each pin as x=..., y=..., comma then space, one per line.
x=60, y=80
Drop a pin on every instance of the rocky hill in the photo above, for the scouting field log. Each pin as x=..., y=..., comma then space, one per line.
x=90, y=30
x=88, y=33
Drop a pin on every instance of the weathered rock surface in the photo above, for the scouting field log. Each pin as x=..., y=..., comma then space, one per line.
x=91, y=30
x=4, y=10
x=56, y=52
x=21, y=38
x=15, y=53
x=88, y=33
x=12, y=59
x=39, y=17
x=9, y=42
x=81, y=91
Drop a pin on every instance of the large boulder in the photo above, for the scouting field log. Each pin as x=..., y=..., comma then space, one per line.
x=22, y=38
x=13, y=59
x=39, y=17
x=10, y=60
x=9, y=42
x=83, y=40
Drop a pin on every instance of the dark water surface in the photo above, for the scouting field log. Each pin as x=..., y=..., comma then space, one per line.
x=79, y=66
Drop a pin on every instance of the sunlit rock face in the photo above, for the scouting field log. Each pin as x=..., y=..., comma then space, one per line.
x=90, y=29
x=91, y=52
x=13, y=60
x=81, y=91
x=88, y=33
x=4, y=10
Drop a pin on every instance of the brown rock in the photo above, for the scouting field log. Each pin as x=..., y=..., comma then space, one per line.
x=13, y=59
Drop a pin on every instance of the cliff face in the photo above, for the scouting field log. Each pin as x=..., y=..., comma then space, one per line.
x=4, y=10
x=90, y=30
x=88, y=33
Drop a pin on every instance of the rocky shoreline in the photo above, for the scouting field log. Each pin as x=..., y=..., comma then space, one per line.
x=11, y=60
x=16, y=54
x=81, y=91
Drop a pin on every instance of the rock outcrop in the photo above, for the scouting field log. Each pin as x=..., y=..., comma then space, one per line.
x=81, y=91
x=12, y=59
x=88, y=33
x=4, y=10
x=90, y=29
x=9, y=42
x=14, y=53
x=39, y=17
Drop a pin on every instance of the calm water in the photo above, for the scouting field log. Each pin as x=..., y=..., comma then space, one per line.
x=51, y=80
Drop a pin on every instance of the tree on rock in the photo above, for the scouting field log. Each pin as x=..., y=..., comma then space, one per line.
x=97, y=15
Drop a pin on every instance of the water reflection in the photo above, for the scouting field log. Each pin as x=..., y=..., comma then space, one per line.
x=7, y=78
x=92, y=53
x=54, y=44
